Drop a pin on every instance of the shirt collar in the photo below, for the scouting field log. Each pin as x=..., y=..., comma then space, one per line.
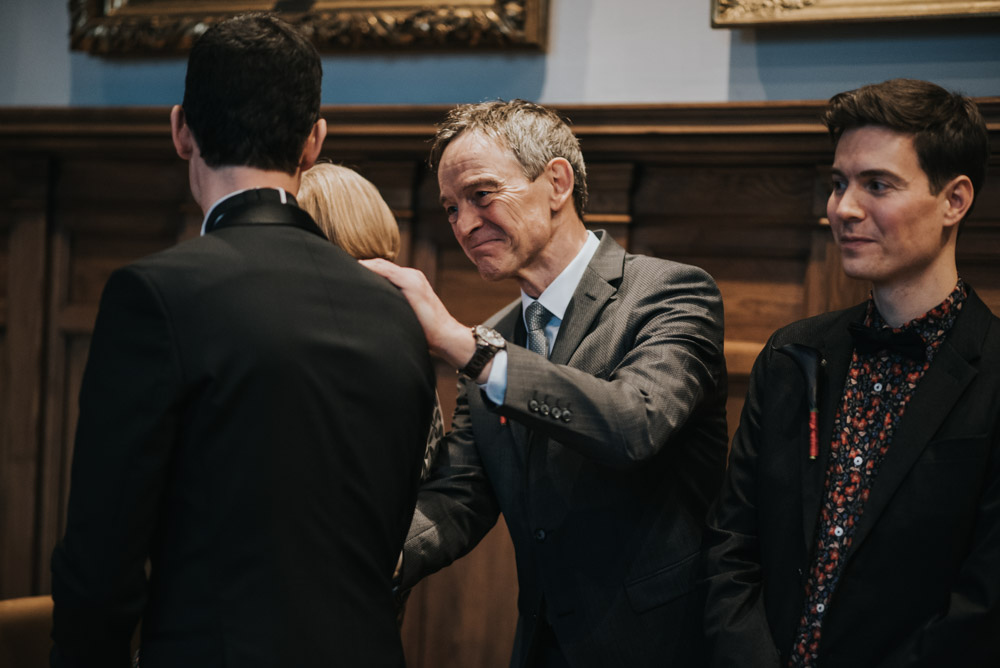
x=208, y=214
x=933, y=325
x=558, y=294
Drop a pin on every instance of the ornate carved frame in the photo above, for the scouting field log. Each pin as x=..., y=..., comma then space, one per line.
x=742, y=13
x=154, y=27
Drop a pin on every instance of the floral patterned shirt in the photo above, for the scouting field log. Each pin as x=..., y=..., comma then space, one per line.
x=879, y=385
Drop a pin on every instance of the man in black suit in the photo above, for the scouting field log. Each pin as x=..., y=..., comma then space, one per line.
x=859, y=524
x=591, y=412
x=254, y=408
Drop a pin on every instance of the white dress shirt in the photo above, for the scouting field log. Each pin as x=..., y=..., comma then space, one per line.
x=555, y=299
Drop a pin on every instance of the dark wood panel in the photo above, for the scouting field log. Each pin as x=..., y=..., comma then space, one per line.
x=738, y=191
x=21, y=410
x=66, y=362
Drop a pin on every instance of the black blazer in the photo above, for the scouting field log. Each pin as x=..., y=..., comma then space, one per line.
x=252, y=419
x=605, y=489
x=921, y=584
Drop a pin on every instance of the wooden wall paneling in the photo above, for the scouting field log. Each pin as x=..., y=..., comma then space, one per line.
x=108, y=211
x=609, y=206
x=979, y=240
x=979, y=260
x=26, y=274
x=7, y=191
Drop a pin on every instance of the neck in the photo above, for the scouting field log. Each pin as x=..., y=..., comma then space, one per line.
x=214, y=184
x=563, y=246
x=901, y=302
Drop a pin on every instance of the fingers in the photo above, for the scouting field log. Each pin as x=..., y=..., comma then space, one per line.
x=410, y=281
x=383, y=268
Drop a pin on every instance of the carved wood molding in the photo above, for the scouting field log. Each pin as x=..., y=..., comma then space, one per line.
x=688, y=133
x=171, y=26
x=746, y=13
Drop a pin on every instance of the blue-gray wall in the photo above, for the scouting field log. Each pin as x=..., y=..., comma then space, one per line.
x=601, y=51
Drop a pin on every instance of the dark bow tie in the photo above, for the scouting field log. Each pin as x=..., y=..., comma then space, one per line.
x=870, y=340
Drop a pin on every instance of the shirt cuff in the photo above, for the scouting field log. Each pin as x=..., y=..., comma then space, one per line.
x=495, y=386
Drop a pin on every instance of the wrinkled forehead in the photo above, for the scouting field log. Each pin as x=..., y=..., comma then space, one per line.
x=472, y=156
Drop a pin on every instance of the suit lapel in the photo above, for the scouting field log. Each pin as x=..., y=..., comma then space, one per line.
x=597, y=286
x=835, y=354
x=949, y=374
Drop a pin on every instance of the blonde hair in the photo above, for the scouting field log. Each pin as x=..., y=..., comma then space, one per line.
x=350, y=211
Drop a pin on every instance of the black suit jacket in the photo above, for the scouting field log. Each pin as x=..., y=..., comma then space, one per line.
x=921, y=583
x=252, y=419
x=603, y=459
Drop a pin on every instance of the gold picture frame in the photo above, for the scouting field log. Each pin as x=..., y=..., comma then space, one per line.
x=747, y=13
x=147, y=27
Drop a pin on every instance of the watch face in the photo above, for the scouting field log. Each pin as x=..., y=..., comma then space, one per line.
x=490, y=336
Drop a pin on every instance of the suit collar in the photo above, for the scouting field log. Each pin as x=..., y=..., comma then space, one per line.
x=556, y=297
x=259, y=206
x=598, y=285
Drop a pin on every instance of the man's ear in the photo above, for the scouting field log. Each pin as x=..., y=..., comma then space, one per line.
x=313, y=145
x=180, y=132
x=958, y=196
x=560, y=175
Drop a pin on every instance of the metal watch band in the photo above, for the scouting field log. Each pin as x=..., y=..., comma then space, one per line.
x=485, y=351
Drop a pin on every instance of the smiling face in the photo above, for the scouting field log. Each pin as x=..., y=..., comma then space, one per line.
x=503, y=221
x=891, y=229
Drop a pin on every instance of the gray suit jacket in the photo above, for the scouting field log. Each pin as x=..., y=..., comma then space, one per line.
x=608, y=457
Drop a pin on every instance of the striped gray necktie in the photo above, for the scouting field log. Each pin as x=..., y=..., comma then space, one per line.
x=537, y=316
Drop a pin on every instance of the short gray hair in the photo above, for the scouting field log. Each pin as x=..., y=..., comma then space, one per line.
x=532, y=132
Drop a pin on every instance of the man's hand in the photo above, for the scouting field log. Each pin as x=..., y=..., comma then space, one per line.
x=446, y=337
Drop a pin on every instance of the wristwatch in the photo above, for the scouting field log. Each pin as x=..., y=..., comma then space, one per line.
x=488, y=343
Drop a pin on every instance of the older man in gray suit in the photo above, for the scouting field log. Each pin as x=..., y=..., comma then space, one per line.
x=591, y=411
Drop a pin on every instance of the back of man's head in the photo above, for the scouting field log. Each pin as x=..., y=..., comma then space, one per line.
x=532, y=132
x=949, y=134
x=252, y=93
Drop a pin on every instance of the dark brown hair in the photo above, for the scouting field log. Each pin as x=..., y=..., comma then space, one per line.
x=252, y=93
x=949, y=133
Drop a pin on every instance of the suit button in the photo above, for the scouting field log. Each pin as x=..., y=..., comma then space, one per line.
x=556, y=413
x=566, y=415
x=544, y=409
x=539, y=535
x=533, y=406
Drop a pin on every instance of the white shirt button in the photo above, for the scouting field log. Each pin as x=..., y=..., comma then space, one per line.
x=838, y=532
x=858, y=461
x=820, y=608
x=877, y=387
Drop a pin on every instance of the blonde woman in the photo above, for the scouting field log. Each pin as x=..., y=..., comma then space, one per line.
x=353, y=215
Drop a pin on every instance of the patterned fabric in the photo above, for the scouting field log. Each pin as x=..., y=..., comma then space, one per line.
x=536, y=317
x=879, y=386
x=434, y=436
